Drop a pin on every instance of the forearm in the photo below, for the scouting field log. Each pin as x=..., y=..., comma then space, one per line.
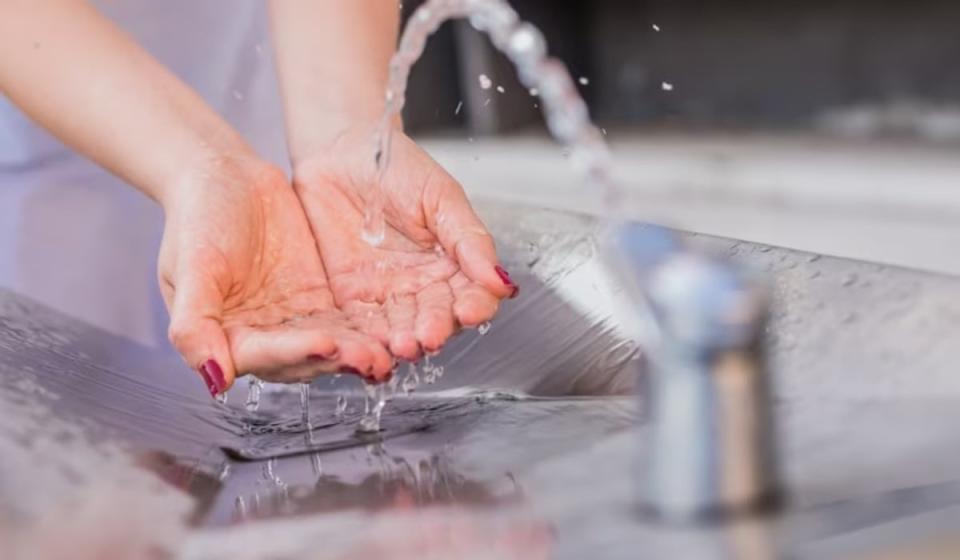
x=332, y=59
x=73, y=72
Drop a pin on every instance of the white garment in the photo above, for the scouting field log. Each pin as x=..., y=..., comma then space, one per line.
x=77, y=239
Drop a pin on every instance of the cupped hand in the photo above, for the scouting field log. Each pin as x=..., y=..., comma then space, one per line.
x=436, y=268
x=242, y=278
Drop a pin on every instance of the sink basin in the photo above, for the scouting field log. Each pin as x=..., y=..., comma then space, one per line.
x=527, y=446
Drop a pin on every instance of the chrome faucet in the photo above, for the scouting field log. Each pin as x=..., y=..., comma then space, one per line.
x=709, y=452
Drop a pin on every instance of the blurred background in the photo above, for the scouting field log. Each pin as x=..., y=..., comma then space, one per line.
x=854, y=68
x=827, y=126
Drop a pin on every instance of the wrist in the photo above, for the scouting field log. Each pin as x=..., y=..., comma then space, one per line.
x=334, y=127
x=227, y=169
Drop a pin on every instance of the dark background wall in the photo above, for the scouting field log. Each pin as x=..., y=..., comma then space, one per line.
x=733, y=63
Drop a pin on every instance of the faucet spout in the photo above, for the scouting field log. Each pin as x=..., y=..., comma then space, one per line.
x=709, y=448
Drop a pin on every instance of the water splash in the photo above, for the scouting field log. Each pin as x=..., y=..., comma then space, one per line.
x=341, y=408
x=484, y=328
x=411, y=381
x=254, y=390
x=565, y=111
x=374, y=402
x=221, y=398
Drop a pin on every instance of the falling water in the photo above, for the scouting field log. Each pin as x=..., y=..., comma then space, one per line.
x=341, y=406
x=484, y=328
x=411, y=381
x=565, y=111
x=305, y=403
x=254, y=389
x=375, y=400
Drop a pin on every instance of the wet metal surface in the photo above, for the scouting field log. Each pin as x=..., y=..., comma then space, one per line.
x=528, y=447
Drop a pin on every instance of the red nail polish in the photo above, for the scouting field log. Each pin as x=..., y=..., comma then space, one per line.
x=507, y=281
x=209, y=382
x=212, y=372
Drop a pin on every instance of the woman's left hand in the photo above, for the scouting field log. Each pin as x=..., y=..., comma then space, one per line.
x=437, y=266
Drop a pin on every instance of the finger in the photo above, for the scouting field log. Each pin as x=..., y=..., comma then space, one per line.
x=472, y=304
x=196, y=331
x=402, y=314
x=261, y=349
x=463, y=236
x=368, y=318
x=435, y=321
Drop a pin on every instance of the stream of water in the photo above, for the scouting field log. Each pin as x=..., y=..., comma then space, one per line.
x=566, y=116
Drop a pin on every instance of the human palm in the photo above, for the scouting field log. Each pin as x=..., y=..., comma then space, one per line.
x=247, y=292
x=436, y=269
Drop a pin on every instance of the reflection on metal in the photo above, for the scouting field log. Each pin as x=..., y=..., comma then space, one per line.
x=711, y=450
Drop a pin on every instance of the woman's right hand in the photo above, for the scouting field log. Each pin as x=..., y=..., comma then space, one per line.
x=242, y=278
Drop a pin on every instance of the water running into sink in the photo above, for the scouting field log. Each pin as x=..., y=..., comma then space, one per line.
x=565, y=112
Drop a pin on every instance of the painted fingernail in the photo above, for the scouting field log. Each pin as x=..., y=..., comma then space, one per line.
x=213, y=375
x=209, y=382
x=507, y=281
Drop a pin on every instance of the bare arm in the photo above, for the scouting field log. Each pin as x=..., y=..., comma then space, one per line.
x=79, y=76
x=332, y=58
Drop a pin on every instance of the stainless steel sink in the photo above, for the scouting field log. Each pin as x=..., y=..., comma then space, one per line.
x=531, y=439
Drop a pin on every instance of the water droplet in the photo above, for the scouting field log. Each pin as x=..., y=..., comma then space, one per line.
x=655, y=27
x=237, y=95
x=221, y=398
x=584, y=80
x=534, y=91
x=666, y=86
x=501, y=90
x=254, y=389
x=411, y=380
x=341, y=406
x=484, y=328
x=484, y=81
x=457, y=110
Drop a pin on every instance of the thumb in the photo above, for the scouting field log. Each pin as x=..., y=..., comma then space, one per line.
x=463, y=235
x=196, y=331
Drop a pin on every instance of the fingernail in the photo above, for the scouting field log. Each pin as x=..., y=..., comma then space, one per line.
x=213, y=375
x=351, y=369
x=507, y=281
x=209, y=382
